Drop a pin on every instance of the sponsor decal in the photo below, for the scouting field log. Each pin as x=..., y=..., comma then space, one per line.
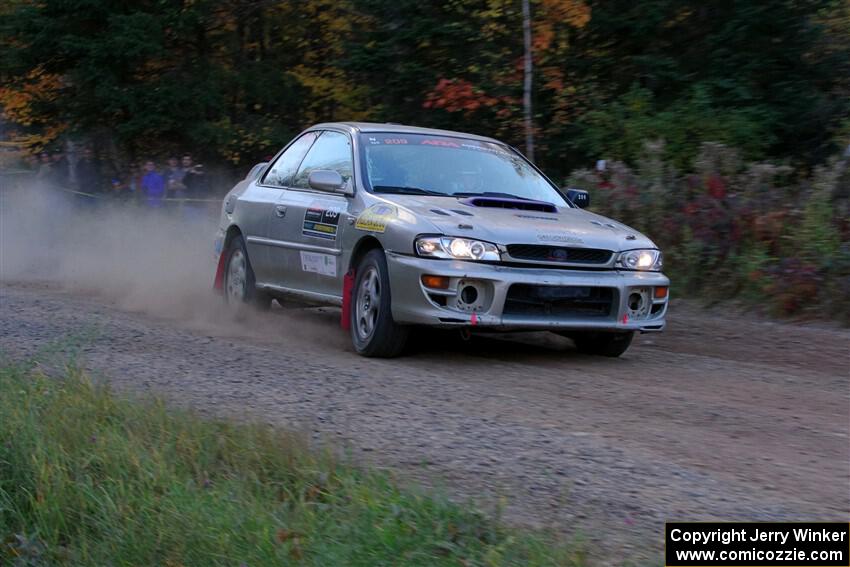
x=559, y=237
x=321, y=221
x=376, y=218
x=439, y=142
x=322, y=264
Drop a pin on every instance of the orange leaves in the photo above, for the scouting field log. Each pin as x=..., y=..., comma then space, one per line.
x=458, y=95
x=19, y=102
x=549, y=15
x=573, y=12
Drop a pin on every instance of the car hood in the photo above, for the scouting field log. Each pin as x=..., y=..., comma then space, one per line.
x=565, y=227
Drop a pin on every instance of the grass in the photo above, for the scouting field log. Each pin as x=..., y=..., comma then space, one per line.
x=90, y=478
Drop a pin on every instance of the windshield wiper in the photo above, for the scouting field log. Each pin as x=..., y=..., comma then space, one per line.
x=406, y=190
x=489, y=194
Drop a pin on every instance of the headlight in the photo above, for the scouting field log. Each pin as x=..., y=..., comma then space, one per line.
x=456, y=248
x=646, y=260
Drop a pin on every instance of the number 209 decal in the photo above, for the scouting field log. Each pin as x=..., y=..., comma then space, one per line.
x=321, y=222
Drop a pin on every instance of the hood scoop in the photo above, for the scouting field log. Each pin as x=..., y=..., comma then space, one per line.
x=506, y=203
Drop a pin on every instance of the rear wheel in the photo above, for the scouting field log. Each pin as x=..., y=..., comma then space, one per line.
x=601, y=343
x=373, y=331
x=240, y=286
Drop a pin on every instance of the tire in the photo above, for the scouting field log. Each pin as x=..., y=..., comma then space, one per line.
x=601, y=343
x=240, y=286
x=373, y=331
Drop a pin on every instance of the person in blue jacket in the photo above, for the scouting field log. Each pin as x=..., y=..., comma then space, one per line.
x=153, y=186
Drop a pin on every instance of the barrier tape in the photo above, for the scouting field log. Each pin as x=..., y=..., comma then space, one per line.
x=170, y=199
x=101, y=195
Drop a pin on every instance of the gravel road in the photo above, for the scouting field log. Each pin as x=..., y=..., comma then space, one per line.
x=727, y=418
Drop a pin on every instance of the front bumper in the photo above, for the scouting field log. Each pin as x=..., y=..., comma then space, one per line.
x=497, y=306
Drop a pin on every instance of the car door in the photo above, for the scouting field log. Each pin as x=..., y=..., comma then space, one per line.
x=308, y=222
x=270, y=187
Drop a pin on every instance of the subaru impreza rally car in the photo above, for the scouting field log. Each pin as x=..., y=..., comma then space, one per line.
x=404, y=226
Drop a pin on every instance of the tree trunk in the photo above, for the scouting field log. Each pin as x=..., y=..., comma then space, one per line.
x=526, y=90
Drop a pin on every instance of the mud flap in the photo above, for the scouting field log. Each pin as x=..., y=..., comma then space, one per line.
x=218, y=282
x=347, y=288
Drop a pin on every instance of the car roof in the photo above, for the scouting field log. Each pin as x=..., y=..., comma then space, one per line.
x=390, y=127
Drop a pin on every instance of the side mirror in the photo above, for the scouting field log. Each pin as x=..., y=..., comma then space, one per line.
x=256, y=171
x=326, y=180
x=579, y=197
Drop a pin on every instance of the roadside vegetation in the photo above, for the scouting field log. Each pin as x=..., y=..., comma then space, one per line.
x=770, y=236
x=89, y=478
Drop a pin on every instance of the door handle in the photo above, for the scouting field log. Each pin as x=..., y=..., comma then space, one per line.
x=280, y=211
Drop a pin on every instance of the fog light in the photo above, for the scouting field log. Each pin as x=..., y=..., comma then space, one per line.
x=435, y=282
x=660, y=292
x=469, y=294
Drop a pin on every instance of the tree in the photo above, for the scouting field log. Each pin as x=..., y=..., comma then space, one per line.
x=235, y=79
x=527, y=80
x=760, y=63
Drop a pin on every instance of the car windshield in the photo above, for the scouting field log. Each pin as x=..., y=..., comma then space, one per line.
x=417, y=164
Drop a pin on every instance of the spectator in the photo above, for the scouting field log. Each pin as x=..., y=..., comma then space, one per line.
x=32, y=163
x=153, y=186
x=196, y=188
x=194, y=178
x=89, y=179
x=119, y=190
x=45, y=168
x=174, y=178
x=133, y=181
x=59, y=169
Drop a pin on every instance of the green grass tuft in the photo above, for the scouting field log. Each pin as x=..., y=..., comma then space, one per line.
x=88, y=478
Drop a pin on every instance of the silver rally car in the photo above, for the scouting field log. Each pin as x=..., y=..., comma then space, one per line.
x=406, y=226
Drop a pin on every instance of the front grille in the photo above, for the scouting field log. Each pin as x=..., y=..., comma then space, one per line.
x=571, y=255
x=559, y=301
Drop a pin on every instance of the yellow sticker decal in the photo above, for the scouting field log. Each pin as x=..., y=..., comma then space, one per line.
x=376, y=218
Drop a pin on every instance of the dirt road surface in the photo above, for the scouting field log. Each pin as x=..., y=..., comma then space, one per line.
x=726, y=418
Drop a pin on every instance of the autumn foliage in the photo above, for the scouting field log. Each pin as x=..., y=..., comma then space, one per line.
x=236, y=79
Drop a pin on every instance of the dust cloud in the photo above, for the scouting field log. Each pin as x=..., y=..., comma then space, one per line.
x=144, y=259
x=156, y=261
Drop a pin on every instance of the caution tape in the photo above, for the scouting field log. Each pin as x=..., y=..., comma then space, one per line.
x=107, y=195
x=169, y=199
x=92, y=195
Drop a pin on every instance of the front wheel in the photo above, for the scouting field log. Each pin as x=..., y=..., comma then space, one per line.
x=601, y=343
x=373, y=330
